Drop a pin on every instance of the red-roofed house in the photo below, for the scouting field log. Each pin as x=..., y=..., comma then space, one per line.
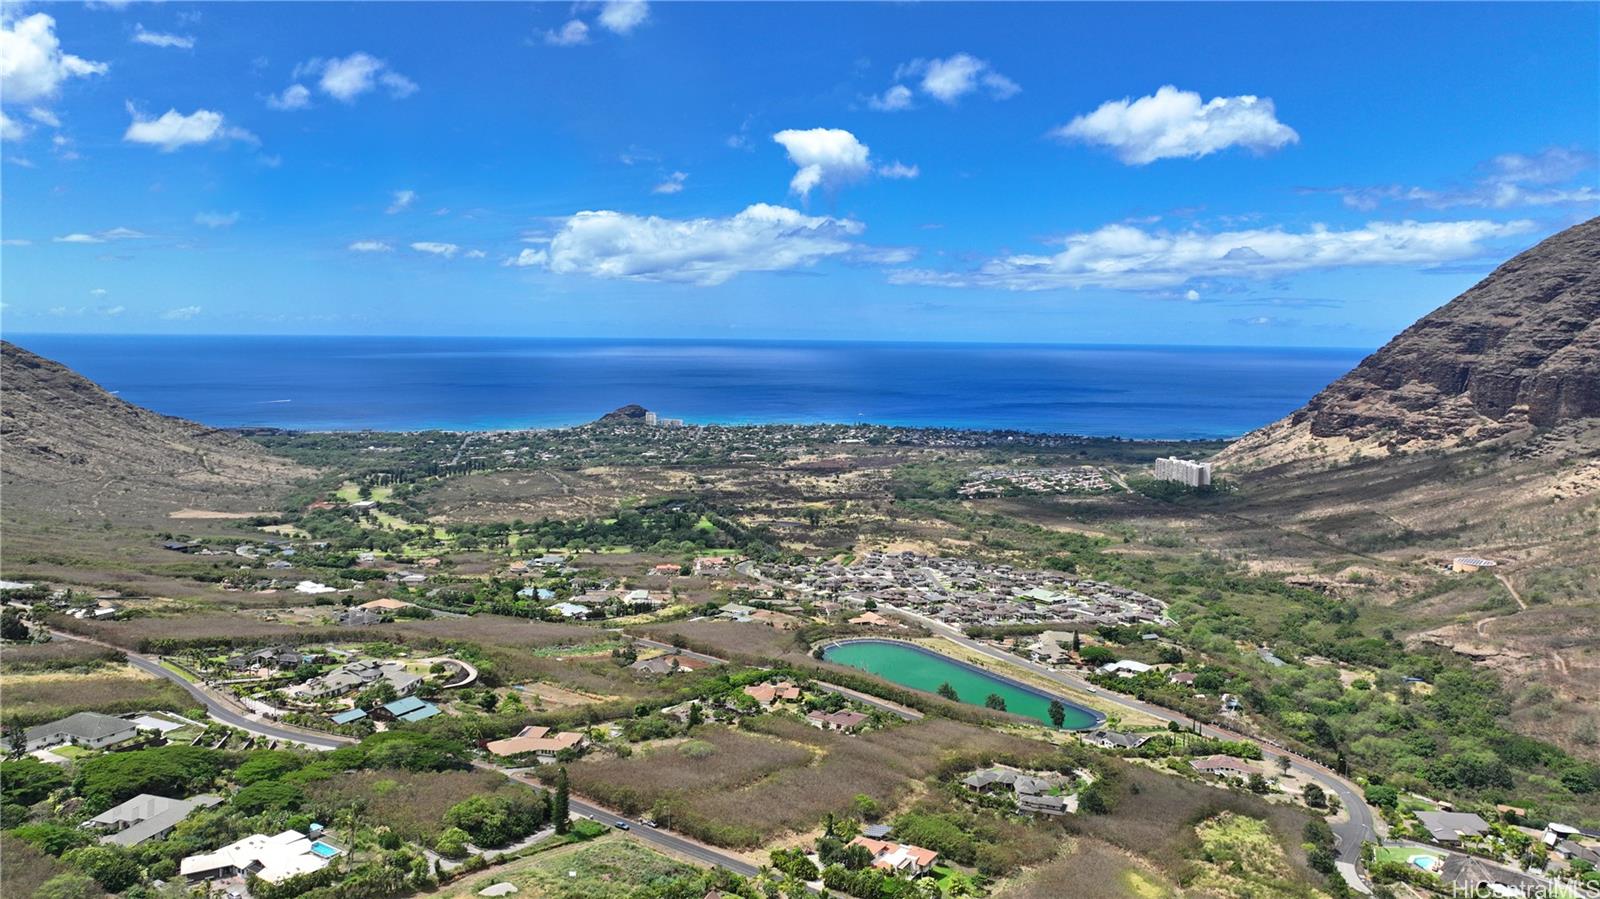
x=900, y=857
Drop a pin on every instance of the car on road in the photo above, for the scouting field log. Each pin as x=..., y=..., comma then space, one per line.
x=621, y=825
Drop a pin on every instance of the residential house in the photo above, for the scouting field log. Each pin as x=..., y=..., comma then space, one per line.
x=145, y=817
x=358, y=676
x=570, y=609
x=385, y=605
x=407, y=709
x=767, y=694
x=873, y=619
x=1224, y=766
x=1573, y=852
x=1125, y=668
x=273, y=859
x=1052, y=647
x=669, y=663
x=1452, y=827
x=737, y=611
x=90, y=730
x=357, y=618
x=1555, y=833
x=539, y=742
x=902, y=858
x=666, y=569
x=711, y=565
x=1110, y=739
x=1467, y=875
x=1182, y=678
x=845, y=720
x=349, y=717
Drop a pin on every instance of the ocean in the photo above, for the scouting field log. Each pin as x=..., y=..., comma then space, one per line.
x=486, y=383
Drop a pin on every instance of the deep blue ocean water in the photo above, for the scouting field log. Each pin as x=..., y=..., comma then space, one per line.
x=476, y=383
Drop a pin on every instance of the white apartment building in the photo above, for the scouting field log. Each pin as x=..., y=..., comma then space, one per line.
x=1193, y=474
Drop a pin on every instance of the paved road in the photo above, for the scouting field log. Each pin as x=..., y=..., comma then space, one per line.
x=1358, y=824
x=665, y=839
x=224, y=709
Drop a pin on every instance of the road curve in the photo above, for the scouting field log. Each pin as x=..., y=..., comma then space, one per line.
x=1356, y=828
x=222, y=709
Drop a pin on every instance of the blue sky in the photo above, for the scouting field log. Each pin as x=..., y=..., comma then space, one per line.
x=1256, y=174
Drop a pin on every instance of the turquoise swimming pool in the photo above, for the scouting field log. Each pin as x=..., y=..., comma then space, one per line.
x=324, y=850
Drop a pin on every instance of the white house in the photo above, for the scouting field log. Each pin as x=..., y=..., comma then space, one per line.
x=273, y=859
x=90, y=730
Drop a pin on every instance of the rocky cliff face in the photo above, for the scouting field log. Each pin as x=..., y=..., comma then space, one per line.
x=1519, y=349
x=69, y=447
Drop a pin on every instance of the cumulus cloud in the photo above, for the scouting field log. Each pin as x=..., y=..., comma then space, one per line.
x=827, y=157
x=672, y=185
x=182, y=313
x=528, y=257
x=402, y=201
x=174, y=130
x=946, y=80
x=702, y=251
x=447, y=250
x=571, y=34
x=622, y=16
x=32, y=64
x=158, y=39
x=1506, y=181
x=44, y=117
x=11, y=129
x=346, y=79
x=896, y=98
x=1175, y=124
x=295, y=96
x=369, y=246
x=1129, y=258
x=216, y=219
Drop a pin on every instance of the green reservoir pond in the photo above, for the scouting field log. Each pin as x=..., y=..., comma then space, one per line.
x=923, y=669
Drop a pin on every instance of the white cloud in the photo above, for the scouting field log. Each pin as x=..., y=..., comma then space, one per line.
x=829, y=157
x=173, y=130
x=369, y=246
x=113, y=310
x=216, y=219
x=402, y=201
x=11, y=129
x=44, y=116
x=157, y=39
x=1174, y=124
x=571, y=34
x=948, y=80
x=672, y=185
x=182, y=313
x=1192, y=295
x=16, y=242
x=622, y=16
x=704, y=251
x=898, y=169
x=894, y=99
x=295, y=96
x=32, y=66
x=98, y=292
x=528, y=257
x=1124, y=257
x=1507, y=181
x=348, y=78
x=475, y=254
x=447, y=250
x=111, y=234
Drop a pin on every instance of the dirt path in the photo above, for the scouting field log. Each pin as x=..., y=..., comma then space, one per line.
x=1506, y=582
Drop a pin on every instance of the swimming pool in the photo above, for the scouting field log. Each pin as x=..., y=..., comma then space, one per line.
x=1426, y=862
x=324, y=850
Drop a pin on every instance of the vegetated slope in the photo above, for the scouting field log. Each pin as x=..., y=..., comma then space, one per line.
x=1519, y=350
x=71, y=450
x=1476, y=431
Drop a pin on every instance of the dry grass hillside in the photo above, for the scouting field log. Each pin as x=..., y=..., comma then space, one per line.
x=71, y=451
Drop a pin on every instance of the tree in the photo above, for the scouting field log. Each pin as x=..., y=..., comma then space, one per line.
x=995, y=701
x=560, y=810
x=1058, y=713
x=452, y=843
x=110, y=867
x=948, y=692
x=70, y=885
x=1315, y=796
x=866, y=807
x=1077, y=641
x=695, y=715
x=1284, y=763
x=1257, y=783
x=12, y=627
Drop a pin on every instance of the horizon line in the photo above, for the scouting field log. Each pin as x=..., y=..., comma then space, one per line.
x=627, y=339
